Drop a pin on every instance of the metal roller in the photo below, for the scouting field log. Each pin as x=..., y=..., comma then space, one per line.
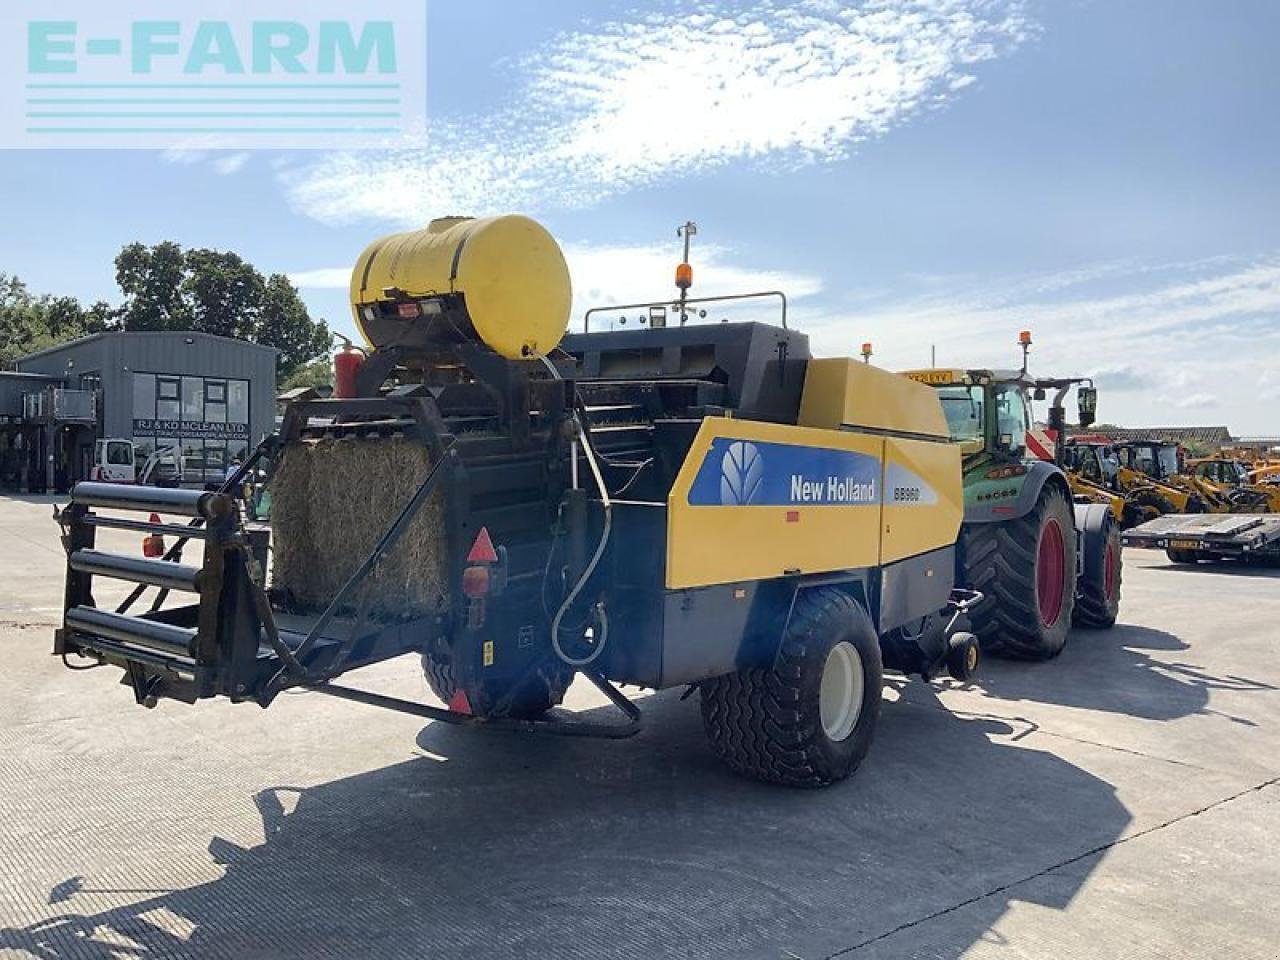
x=155, y=573
x=186, y=503
x=150, y=634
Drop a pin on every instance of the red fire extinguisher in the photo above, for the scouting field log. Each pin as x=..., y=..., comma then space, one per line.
x=346, y=368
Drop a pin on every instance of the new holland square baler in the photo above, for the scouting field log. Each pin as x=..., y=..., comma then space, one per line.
x=697, y=505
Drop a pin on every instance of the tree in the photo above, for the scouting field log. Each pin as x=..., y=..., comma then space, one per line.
x=29, y=323
x=285, y=324
x=151, y=279
x=318, y=373
x=223, y=293
x=217, y=292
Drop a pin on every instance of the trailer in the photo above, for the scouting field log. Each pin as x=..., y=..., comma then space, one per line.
x=1190, y=538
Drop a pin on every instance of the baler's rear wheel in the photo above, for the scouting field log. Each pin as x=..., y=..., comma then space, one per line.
x=537, y=694
x=1098, y=602
x=1026, y=571
x=807, y=720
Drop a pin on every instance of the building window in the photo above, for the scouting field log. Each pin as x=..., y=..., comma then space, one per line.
x=192, y=399
x=144, y=396
x=237, y=401
x=215, y=401
x=205, y=418
x=168, y=404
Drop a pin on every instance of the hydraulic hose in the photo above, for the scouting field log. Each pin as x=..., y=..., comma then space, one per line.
x=606, y=502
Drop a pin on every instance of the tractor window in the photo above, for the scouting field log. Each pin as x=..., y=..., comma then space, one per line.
x=965, y=410
x=1013, y=418
x=1088, y=464
x=1141, y=458
x=1168, y=461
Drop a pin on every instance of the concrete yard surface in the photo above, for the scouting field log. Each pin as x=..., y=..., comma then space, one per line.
x=1122, y=801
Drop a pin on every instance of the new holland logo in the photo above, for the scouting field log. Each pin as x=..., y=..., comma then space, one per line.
x=741, y=470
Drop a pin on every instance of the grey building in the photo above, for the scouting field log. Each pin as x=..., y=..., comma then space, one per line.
x=210, y=397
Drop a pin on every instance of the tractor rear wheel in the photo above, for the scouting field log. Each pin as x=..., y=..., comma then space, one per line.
x=808, y=719
x=537, y=694
x=1026, y=571
x=1098, y=600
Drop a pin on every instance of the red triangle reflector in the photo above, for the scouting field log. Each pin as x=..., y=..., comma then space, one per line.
x=482, y=550
x=155, y=518
x=459, y=703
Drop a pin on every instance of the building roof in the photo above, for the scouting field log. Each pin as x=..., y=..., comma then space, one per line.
x=185, y=335
x=1208, y=436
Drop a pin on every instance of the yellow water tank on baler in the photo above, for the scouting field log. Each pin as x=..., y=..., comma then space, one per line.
x=508, y=273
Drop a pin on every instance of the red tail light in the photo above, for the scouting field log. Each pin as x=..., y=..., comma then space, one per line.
x=475, y=582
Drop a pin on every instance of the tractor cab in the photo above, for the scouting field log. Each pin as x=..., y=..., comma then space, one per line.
x=988, y=411
x=1220, y=470
x=1095, y=460
x=1155, y=458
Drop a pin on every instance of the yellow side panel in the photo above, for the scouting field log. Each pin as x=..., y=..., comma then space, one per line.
x=840, y=392
x=760, y=500
x=923, y=497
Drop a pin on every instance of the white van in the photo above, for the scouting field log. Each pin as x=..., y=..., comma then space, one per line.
x=113, y=462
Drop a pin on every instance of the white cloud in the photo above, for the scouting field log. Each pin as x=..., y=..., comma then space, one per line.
x=605, y=275
x=184, y=156
x=601, y=111
x=222, y=162
x=229, y=163
x=620, y=274
x=325, y=278
x=1121, y=377
x=1194, y=401
x=1269, y=384
x=1199, y=338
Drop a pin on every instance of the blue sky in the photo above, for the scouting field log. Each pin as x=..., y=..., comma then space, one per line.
x=936, y=172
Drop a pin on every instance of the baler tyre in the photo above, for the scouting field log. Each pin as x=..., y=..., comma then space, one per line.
x=1025, y=569
x=538, y=695
x=1098, y=598
x=807, y=720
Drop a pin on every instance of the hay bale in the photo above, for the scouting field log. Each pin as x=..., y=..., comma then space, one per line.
x=332, y=501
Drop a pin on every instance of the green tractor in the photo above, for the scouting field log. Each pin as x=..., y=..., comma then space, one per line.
x=1043, y=561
